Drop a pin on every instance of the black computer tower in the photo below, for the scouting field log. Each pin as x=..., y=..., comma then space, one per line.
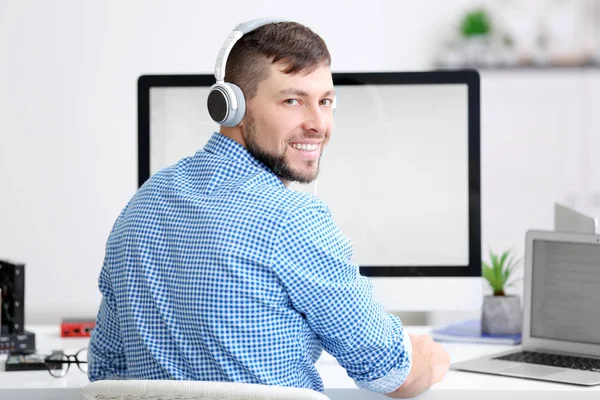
x=12, y=306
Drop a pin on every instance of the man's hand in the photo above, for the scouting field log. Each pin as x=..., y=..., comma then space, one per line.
x=430, y=362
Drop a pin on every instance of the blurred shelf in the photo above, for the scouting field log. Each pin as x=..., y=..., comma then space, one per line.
x=525, y=67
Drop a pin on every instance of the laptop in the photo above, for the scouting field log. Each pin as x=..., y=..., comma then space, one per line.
x=561, y=313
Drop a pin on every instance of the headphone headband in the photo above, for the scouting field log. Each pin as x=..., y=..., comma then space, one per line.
x=235, y=35
x=225, y=102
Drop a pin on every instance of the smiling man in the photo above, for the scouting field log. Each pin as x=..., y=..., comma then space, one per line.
x=216, y=271
x=288, y=122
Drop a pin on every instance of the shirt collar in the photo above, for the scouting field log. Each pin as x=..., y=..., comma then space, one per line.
x=225, y=147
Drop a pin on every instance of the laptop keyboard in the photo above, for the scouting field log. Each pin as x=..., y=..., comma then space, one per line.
x=553, y=360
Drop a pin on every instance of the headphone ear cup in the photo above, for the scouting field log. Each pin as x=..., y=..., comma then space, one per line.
x=234, y=117
x=220, y=102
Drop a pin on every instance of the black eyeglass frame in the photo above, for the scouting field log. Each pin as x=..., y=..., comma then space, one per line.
x=56, y=360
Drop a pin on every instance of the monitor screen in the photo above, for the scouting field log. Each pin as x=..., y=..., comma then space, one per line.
x=400, y=173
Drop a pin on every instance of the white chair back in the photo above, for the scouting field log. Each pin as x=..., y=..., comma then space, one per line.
x=192, y=390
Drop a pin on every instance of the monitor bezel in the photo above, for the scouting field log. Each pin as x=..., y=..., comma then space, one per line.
x=468, y=77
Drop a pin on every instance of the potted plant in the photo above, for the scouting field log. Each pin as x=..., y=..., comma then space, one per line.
x=475, y=28
x=476, y=23
x=501, y=313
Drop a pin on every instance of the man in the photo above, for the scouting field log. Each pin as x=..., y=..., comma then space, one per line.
x=216, y=271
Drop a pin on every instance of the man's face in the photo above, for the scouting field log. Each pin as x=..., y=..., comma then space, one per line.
x=289, y=121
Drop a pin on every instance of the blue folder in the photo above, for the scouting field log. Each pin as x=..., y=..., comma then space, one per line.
x=469, y=331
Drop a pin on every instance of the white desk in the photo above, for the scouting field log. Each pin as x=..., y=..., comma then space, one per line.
x=464, y=385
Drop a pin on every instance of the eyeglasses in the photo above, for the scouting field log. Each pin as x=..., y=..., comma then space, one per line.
x=56, y=362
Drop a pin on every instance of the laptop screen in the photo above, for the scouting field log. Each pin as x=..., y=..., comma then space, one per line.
x=565, y=303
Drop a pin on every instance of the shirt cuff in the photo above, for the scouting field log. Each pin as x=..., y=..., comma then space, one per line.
x=396, y=377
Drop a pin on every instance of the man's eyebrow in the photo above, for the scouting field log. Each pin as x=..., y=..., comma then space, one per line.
x=292, y=92
x=301, y=93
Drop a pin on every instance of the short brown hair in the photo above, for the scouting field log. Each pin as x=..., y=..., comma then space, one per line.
x=291, y=43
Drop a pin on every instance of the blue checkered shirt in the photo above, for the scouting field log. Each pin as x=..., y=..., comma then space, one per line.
x=215, y=271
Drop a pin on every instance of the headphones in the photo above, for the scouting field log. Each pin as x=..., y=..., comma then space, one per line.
x=226, y=102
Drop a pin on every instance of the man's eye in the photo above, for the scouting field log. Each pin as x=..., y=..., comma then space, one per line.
x=291, y=102
x=326, y=102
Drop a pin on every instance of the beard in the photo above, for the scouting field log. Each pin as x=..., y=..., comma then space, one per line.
x=277, y=162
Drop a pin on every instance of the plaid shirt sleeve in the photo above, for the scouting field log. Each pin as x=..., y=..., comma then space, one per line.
x=313, y=261
x=107, y=358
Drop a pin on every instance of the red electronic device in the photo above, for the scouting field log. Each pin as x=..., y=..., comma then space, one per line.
x=77, y=327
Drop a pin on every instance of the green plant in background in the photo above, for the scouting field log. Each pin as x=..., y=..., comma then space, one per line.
x=499, y=271
x=476, y=22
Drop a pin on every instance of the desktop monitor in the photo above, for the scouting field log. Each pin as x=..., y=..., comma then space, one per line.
x=400, y=174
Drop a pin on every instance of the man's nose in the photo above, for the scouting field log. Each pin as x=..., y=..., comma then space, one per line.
x=315, y=120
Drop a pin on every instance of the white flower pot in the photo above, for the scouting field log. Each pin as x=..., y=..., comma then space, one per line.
x=501, y=315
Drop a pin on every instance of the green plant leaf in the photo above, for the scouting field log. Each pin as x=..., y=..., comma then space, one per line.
x=516, y=263
x=499, y=271
x=503, y=257
x=488, y=274
x=510, y=263
x=494, y=259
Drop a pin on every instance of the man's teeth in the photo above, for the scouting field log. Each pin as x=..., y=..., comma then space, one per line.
x=306, y=147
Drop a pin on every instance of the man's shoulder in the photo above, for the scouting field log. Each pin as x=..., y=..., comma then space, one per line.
x=287, y=200
x=252, y=191
x=150, y=198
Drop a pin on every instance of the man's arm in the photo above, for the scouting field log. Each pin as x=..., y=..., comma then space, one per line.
x=313, y=262
x=106, y=352
x=430, y=362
